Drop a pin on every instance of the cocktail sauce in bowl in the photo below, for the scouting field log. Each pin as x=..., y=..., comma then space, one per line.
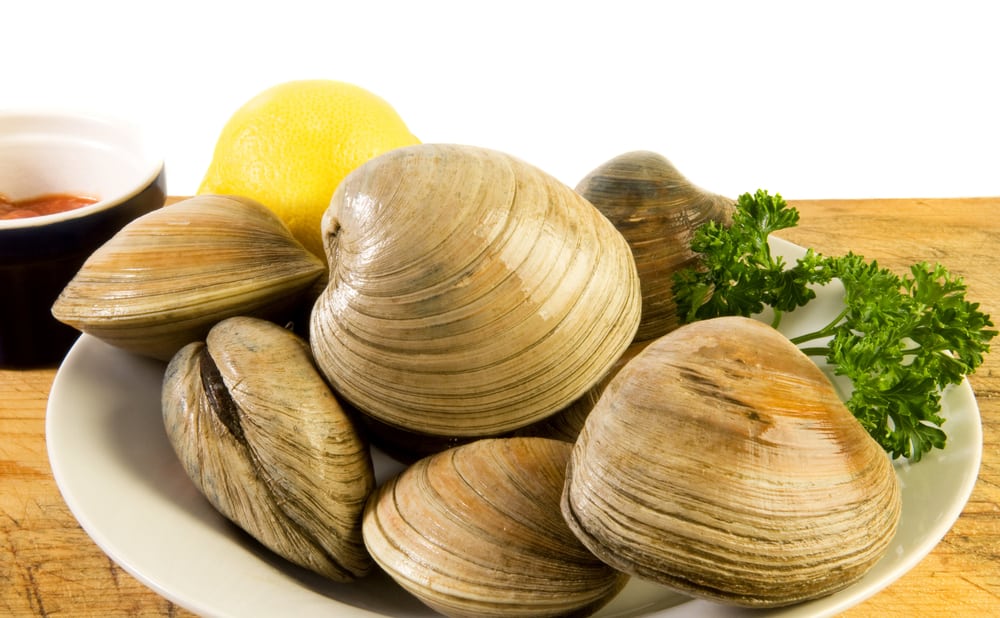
x=68, y=183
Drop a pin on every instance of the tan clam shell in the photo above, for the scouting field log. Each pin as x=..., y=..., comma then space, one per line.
x=477, y=531
x=721, y=462
x=657, y=209
x=165, y=278
x=262, y=436
x=470, y=293
x=567, y=423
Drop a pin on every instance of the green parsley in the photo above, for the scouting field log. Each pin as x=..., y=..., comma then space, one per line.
x=899, y=340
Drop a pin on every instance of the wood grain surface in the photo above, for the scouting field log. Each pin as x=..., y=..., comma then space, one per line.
x=50, y=567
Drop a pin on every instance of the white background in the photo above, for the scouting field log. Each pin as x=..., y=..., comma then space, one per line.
x=811, y=100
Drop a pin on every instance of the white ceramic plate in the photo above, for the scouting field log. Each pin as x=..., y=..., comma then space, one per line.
x=120, y=478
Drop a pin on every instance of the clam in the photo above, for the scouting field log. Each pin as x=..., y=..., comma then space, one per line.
x=264, y=439
x=657, y=209
x=409, y=446
x=165, y=278
x=566, y=424
x=470, y=293
x=477, y=531
x=721, y=462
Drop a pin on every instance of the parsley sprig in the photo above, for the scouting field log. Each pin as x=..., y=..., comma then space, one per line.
x=899, y=340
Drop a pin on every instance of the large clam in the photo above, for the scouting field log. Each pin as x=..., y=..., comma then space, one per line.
x=164, y=279
x=657, y=209
x=470, y=293
x=566, y=424
x=477, y=531
x=721, y=462
x=265, y=440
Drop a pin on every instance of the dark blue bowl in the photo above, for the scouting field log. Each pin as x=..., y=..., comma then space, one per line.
x=44, y=153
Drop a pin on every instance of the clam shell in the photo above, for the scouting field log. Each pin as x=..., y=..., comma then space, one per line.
x=264, y=439
x=721, y=462
x=165, y=278
x=477, y=531
x=470, y=293
x=567, y=423
x=658, y=210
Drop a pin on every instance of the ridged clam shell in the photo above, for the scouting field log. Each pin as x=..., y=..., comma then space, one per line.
x=721, y=462
x=476, y=531
x=658, y=210
x=564, y=425
x=262, y=436
x=165, y=278
x=567, y=423
x=470, y=293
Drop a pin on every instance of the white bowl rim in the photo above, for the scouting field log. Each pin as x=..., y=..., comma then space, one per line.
x=153, y=171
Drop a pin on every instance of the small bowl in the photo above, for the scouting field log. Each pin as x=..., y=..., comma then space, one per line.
x=45, y=153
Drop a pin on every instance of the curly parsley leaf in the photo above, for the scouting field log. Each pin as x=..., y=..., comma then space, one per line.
x=739, y=274
x=899, y=340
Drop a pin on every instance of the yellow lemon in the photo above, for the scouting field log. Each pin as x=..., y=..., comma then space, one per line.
x=291, y=145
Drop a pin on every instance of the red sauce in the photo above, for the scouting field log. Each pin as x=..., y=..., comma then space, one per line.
x=42, y=205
